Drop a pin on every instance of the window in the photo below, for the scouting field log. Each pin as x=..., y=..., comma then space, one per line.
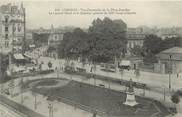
x=6, y=29
x=130, y=44
x=6, y=19
x=14, y=28
x=19, y=27
x=6, y=44
x=55, y=37
x=6, y=36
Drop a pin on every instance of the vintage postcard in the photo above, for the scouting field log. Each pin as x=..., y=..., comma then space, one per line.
x=90, y=58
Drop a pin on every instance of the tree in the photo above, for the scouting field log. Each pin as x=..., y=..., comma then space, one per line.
x=74, y=44
x=137, y=50
x=49, y=65
x=40, y=39
x=175, y=98
x=50, y=49
x=104, y=41
x=149, y=58
x=171, y=42
x=152, y=44
x=107, y=39
x=4, y=63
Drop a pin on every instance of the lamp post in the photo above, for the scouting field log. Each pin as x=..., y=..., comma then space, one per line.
x=144, y=90
x=1, y=71
x=170, y=70
x=22, y=91
x=50, y=107
x=35, y=99
x=109, y=83
x=57, y=70
x=164, y=94
x=163, y=88
x=93, y=69
x=24, y=29
x=122, y=72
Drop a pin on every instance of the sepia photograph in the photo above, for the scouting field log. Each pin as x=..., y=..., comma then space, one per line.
x=75, y=58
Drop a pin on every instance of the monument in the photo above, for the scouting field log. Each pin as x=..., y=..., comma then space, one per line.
x=130, y=97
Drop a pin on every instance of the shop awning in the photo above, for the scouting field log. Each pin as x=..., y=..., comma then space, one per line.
x=32, y=46
x=125, y=63
x=19, y=56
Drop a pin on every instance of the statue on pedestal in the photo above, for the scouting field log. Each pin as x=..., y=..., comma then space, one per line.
x=130, y=98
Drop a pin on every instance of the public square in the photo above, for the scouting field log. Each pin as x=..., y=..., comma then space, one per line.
x=90, y=59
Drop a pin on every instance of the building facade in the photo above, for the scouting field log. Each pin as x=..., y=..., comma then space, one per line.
x=11, y=27
x=165, y=33
x=170, y=60
x=135, y=37
x=48, y=37
x=55, y=37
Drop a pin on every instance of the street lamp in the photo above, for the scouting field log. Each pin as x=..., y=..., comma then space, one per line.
x=35, y=99
x=22, y=91
x=122, y=72
x=50, y=107
x=164, y=92
x=170, y=70
x=57, y=70
x=93, y=73
x=1, y=71
x=94, y=80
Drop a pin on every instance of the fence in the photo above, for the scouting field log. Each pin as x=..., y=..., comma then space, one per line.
x=13, y=111
x=80, y=106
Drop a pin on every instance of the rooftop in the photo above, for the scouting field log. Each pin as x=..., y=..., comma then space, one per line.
x=174, y=50
x=12, y=9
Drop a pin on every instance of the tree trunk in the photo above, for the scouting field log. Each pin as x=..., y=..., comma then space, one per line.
x=179, y=108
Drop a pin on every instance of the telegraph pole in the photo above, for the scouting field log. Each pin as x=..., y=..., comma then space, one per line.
x=24, y=26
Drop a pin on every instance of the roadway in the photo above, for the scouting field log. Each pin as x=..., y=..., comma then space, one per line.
x=154, y=80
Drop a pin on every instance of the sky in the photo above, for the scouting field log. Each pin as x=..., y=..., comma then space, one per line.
x=151, y=13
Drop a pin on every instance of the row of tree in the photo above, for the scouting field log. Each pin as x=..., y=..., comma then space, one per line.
x=3, y=67
x=153, y=45
x=104, y=40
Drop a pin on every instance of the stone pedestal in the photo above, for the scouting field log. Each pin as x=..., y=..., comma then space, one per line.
x=130, y=99
x=179, y=109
